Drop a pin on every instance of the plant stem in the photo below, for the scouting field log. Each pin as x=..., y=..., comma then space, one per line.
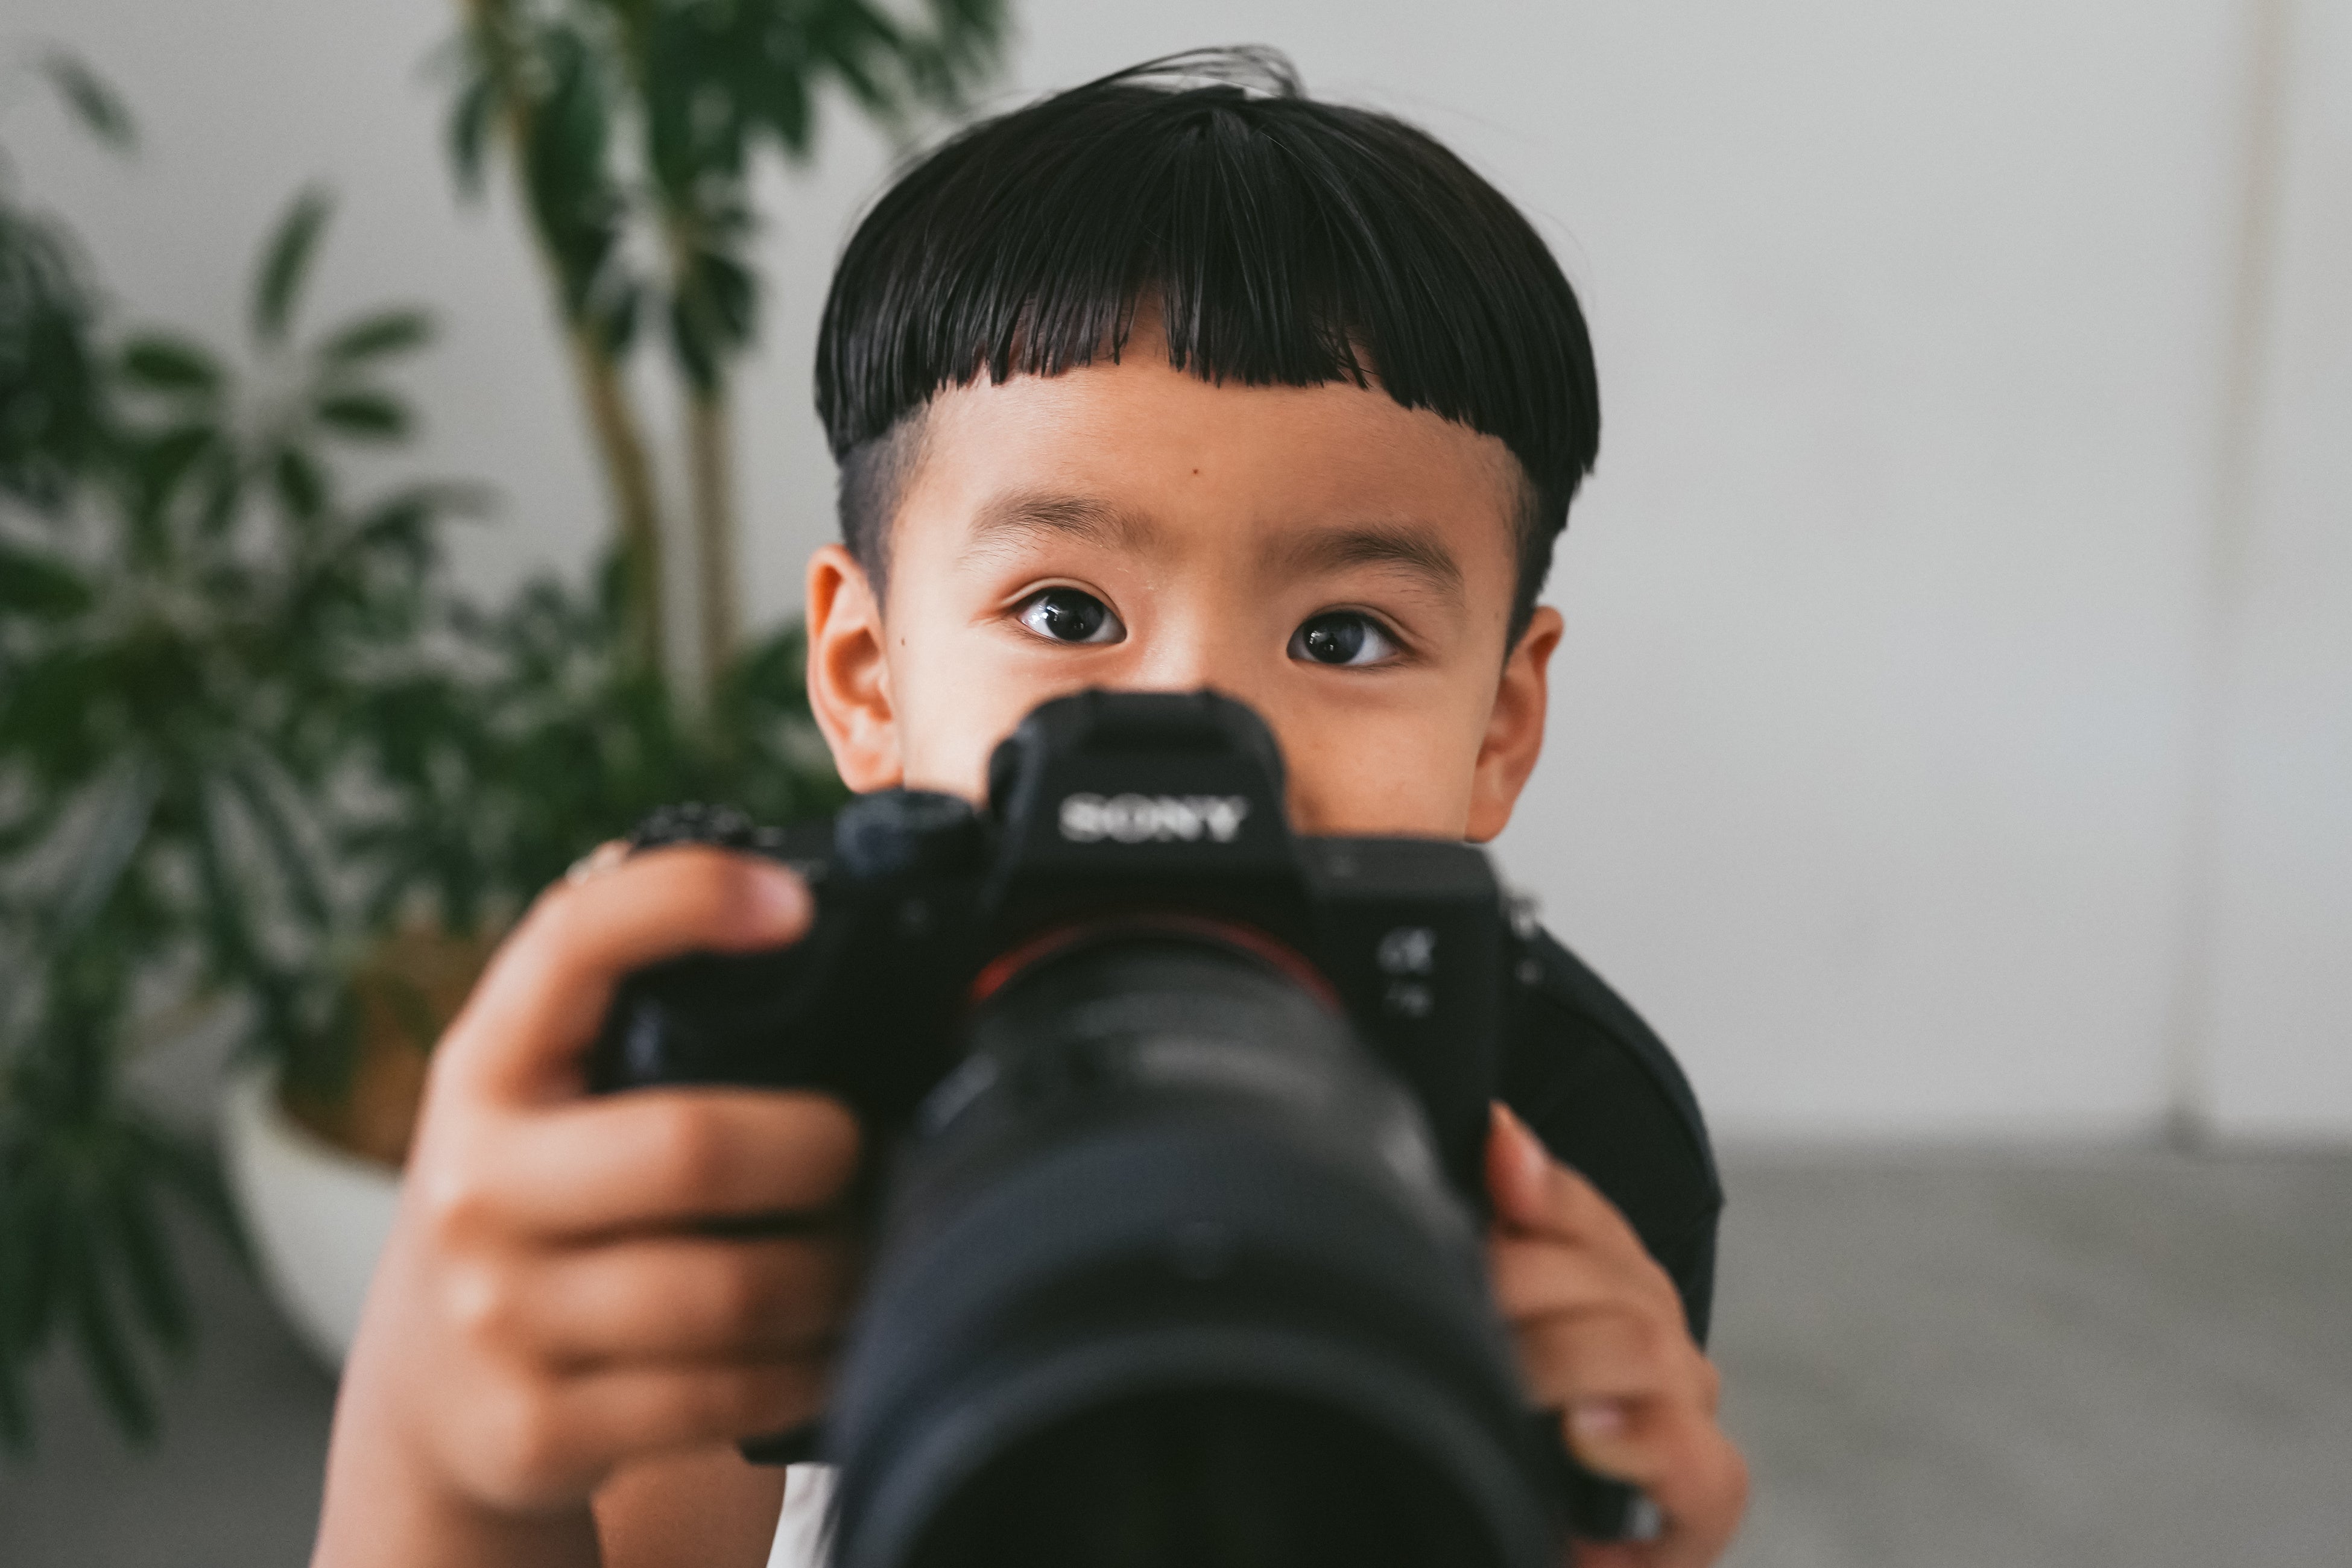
x=708, y=436
x=612, y=418
x=711, y=453
x=629, y=477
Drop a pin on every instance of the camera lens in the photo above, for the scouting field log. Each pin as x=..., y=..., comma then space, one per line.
x=1172, y=1277
x=1179, y=1477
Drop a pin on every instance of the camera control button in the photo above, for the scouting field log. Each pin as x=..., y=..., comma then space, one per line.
x=1409, y=950
x=903, y=832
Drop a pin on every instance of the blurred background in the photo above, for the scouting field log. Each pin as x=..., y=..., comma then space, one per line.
x=1951, y=750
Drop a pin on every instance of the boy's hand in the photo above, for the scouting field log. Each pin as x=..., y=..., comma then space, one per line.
x=554, y=1299
x=1600, y=1334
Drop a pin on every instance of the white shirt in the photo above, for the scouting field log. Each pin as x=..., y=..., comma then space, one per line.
x=800, y=1527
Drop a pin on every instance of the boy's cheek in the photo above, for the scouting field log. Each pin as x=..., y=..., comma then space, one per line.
x=952, y=716
x=1371, y=786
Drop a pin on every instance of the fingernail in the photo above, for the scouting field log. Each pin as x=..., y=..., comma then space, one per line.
x=778, y=899
x=1529, y=1156
x=1596, y=1418
x=605, y=856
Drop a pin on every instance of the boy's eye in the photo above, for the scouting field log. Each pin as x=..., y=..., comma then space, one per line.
x=1342, y=637
x=1066, y=615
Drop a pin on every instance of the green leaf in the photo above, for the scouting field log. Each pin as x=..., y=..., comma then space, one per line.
x=373, y=337
x=193, y=1173
x=36, y=1228
x=397, y=526
x=286, y=262
x=39, y=815
x=285, y=843
x=575, y=204
x=161, y=462
x=171, y=364
x=968, y=40
x=15, y=1408
x=115, y=839
x=221, y=905
x=712, y=315
x=363, y=415
x=24, y=1266
x=53, y=707
x=615, y=320
x=224, y=487
x=38, y=586
x=50, y=375
x=300, y=484
x=105, y=1354
x=470, y=131
x=784, y=108
x=692, y=341
x=97, y=105
x=148, y=1268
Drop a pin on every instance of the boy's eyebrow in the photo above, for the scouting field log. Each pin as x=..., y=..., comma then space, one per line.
x=1413, y=550
x=1085, y=517
x=1092, y=520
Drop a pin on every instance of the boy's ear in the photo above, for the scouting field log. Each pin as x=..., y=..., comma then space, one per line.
x=849, y=674
x=1515, y=729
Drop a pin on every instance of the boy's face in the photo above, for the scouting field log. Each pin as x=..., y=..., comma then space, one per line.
x=1342, y=564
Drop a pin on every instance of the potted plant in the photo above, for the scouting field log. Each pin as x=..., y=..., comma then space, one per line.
x=196, y=612
x=190, y=607
x=268, y=768
x=261, y=769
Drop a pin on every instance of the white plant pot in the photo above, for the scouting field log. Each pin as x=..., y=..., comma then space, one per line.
x=317, y=1215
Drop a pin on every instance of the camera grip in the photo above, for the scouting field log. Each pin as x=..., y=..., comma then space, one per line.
x=710, y=1018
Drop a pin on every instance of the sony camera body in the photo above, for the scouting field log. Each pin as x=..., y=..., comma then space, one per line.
x=1111, y=815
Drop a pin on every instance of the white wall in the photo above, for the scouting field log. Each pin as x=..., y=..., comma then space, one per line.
x=2276, y=1013
x=1874, y=775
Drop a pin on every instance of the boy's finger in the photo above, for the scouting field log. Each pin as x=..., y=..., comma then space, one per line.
x=673, y=1297
x=648, y=1158
x=650, y=1409
x=1684, y=1465
x=531, y=1446
x=1535, y=1194
x=547, y=991
x=1601, y=1355
x=1537, y=1277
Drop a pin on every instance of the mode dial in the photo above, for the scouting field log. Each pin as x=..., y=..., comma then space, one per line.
x=906, y=832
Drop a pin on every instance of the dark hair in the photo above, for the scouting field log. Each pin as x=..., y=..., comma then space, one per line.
x=1285, y=242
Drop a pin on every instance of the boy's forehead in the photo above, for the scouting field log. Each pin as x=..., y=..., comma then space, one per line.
x=1125, y=454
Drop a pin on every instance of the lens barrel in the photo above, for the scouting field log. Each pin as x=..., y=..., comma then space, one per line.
x=1171, y=1276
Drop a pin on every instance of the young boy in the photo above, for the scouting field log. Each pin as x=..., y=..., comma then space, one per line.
x=1152, y=385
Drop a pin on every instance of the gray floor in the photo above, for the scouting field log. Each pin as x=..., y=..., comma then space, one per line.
x=1953, y=1359
x=2136, y=1359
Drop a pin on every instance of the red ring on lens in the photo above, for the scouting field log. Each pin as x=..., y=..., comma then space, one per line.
x=1054, y=941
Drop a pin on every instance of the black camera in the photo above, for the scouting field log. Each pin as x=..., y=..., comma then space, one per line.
x=1180, y=1119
